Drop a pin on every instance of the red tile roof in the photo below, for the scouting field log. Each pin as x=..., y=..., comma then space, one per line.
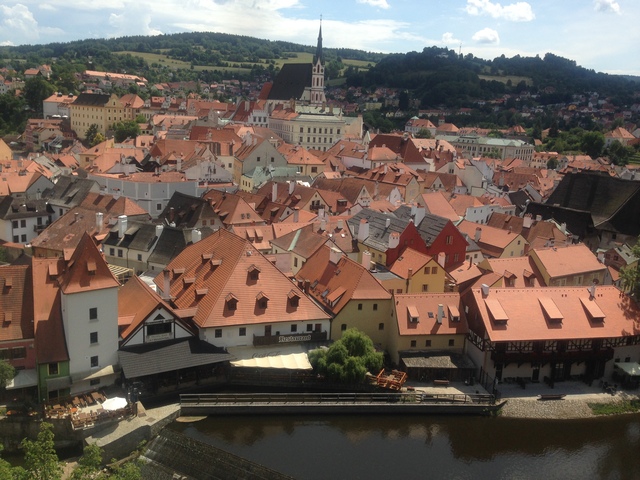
x=427, y=308
x=16, y=303
x=227, y=274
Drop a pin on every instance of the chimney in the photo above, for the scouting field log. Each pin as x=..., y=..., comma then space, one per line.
x=419, y=214
x=442, y=259
x=538, y=218
x=387, y=222
x=307, y=284
x=527, y=221
x=159, y=229
x=99, y=221
x=335, y=255
x=196, y=236
x=394, y=240
x=366, y=259
x=75, y=217
x=363, y=230
x=440, y=313
x=172, y=216
x=292, y=186
x=592, y=291
x=122, y=225
x=321, y=213
x=296, y=214
x=340, y=224
x=478, y=234
x=274, y=191
x=323, y=224
x=485, y=290
x=166, y=285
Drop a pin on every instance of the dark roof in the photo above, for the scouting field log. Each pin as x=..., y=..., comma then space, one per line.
x=158, y=357
x=430, y=227
x=187, y=210
x=378, y=231
x=70, y=190
x=291, y=81
x=92, y=99
x=138, y=236
x=11, y=208
x=579, y=222
x=170, y=244
x=614, y=203
x=519, y=198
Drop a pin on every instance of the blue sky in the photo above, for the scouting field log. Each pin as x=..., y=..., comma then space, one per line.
x=598, y=34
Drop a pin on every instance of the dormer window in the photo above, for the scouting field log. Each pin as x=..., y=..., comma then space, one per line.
x=262, y=300
x=91, y=267
x=231, y=302
x=294, y=299
x=254, y=273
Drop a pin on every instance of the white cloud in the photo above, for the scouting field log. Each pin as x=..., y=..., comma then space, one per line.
x=132, y=20
x=448, y=38
x=7, y=43
x=486, y=35
x=19, y=23
x=515, y=12
x=47, y=7
x=375, y=3
x=607, y=6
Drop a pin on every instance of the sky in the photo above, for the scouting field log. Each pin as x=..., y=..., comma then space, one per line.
x=598, y=34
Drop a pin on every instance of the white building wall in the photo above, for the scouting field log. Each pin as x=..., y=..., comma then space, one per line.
x=78, y=327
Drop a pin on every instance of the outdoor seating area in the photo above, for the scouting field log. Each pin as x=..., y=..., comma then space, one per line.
x=393, y=380
x=88, y=409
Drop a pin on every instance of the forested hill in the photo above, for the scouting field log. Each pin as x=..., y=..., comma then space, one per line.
x=438, y=76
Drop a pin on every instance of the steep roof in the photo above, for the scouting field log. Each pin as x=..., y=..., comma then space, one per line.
x=291, y=81
x=87, y=270
x=409, y=260
x=16, y=303
x=333, y=285
x=429, y=227
x=379, y=232
x=49, y=330
x=208, y=274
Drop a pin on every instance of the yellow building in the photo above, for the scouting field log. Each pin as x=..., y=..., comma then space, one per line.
x=101, y=110
x=573, y=265
x=415, y=272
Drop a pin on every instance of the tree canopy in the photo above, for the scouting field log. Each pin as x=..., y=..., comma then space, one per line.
x=7, y=372
x=348, y=359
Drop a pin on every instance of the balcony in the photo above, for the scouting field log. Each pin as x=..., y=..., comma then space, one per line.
x=575, y=356
x=286, y=339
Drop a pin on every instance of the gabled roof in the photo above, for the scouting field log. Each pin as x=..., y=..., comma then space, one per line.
x=492, y=240
x=185, y=211
x=426, y=308
x=172, y=241
x=520, y=270
x=222, y=264
x=49, y=330
x=379, y=232
x=87, y=270
x=349, y=279
x=409, y=260
x=526, y=318
x=16, y=303
x=136, y=302
x=70, y=190
x=437, y=204
x=232, y=209
x=303, y=242
x=430, y=227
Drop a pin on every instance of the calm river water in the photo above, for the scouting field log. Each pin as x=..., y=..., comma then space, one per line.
x=413, y=447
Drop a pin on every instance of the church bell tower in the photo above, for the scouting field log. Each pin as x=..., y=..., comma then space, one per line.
x=317, y=76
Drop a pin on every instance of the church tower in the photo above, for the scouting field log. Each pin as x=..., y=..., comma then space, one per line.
x=317, y=76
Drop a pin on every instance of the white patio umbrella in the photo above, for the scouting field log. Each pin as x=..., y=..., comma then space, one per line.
x=115, y=403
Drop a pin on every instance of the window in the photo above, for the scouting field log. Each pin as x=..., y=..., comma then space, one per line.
x=427, y=343
x=294, y=328
x=158, y=206
x=119, y=253
x=242, y=331
x=413, y=343
x=434, y=270
x=425, y=287
x=381, y=326
x=53, y=369
x=93, y=338
x=23, y=224
x=159, y=328
x=139, y=257
x=398, y=290
x=452, y=342
x=94, y=361
x=343, y=327
x=93, y=313
x=257, y=159
x=16, y=238
x=309, y=327
x=295, y=262
x=375, y=307
x=112, y=251
x=218, y=333
x=449, y=240
x=14, y=224
x=23, y=238
x=359, y=306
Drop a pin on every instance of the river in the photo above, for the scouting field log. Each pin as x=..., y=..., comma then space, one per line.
x=419, y=447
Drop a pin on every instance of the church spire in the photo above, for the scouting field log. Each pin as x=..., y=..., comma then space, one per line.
x=319, y=56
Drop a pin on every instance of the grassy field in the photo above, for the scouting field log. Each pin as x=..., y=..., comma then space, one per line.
x=297, y=57
x=505, y=78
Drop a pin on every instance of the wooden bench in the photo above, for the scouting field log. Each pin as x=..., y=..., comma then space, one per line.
x=441, y=383
x=552, y=396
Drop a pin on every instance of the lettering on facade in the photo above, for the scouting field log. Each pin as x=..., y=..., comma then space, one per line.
x=294, y=338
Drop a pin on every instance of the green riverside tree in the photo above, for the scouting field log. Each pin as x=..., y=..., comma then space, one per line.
x=7, y=372
x=125, y=129
x=630, y=276
x=40, y=458
x=348, y=359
